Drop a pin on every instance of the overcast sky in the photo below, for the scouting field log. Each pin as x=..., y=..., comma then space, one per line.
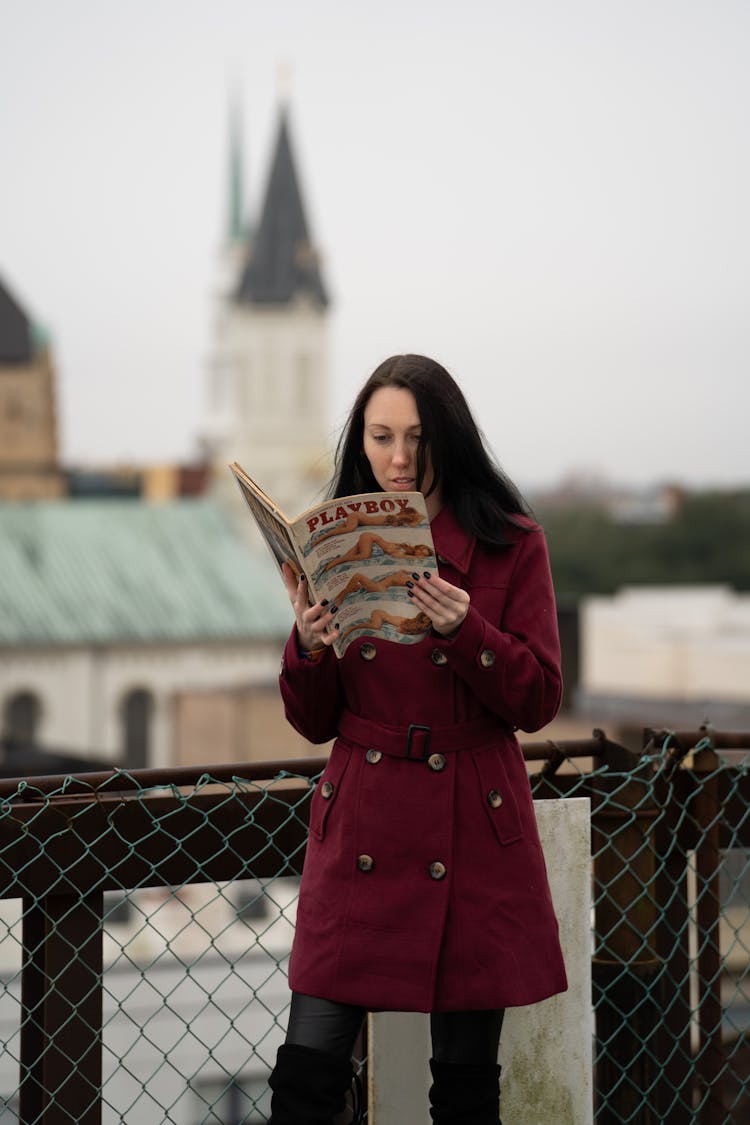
x=551, y=198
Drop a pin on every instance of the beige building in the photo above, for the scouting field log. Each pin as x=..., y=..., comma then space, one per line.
x=243, y=724
x=29, y=468
x=666, y=656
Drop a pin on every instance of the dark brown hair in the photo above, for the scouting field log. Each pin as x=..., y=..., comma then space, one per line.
x=483, y=498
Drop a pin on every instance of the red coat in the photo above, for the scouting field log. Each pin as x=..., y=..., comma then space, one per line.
x=424, y=886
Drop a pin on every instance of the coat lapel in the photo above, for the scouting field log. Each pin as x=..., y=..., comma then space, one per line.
x=452, y=543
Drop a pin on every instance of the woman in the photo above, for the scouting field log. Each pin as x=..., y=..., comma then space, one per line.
x=408, y=517
x=363, y=549
x=359, y=582
x=424, y=886
x=381, y=617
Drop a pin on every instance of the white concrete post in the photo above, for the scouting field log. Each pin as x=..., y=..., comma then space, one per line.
x=546, y=1049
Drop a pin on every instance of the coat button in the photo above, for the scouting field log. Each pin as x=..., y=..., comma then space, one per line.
x=494, y=799
x=368, y=651
x=365, y=862
x=437, y=870
x=436, y=762
x=326, y=790
x=438, y=657
x=373, y=756
x=487, y=658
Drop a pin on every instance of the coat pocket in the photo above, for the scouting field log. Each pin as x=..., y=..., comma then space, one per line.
x=327, y=791
x=497, y=795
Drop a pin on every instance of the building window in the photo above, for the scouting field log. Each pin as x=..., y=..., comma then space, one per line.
x=252, y=902
x=117, y=908
x=244, y=1100
x=137, y=717
x=21, y=719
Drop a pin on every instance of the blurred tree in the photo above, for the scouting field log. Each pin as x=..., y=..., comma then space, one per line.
x=707, y=541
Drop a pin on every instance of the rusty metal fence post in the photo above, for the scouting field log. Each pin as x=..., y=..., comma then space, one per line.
x=61, y=1058
x=705, y=801
x=626, y=965
x=708, y=912
x=674, y=837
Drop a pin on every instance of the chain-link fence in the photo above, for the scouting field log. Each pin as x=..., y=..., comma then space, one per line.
x=147, y=920
x=671, y=894
x=145, y=962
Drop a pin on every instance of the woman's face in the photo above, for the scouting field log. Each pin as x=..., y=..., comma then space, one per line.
x=392, y=436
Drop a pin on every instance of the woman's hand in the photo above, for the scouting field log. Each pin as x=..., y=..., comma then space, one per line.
x=314, y=622
x=445, y=605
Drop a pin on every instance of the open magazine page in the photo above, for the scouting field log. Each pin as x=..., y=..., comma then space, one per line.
x=359, y=552
x=272, y=527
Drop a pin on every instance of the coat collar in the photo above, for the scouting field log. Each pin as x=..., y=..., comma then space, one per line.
x=452, y=542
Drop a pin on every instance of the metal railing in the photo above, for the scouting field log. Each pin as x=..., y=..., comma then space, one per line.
x=174, y=1013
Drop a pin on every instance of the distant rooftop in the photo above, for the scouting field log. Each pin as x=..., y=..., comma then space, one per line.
x=82, y=572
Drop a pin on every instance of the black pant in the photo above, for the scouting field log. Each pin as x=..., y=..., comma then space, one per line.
x=457, y=1037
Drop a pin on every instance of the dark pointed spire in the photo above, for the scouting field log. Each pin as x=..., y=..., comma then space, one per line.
x=16, y=339
x=283, y=262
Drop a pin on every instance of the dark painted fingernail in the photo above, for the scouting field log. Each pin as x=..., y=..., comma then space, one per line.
x=324, y=602
x=410, y=593
x=333, y=609
x=337, y=626
x=410, y=585
x=427, y=574
x=415, y=576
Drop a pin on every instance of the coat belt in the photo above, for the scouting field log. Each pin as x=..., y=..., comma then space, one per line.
x=418, y=740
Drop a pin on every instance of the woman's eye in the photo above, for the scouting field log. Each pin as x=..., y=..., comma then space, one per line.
x=381, y=439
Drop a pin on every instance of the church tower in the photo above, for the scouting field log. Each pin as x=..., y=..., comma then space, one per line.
x=270, y=368
x=29, y=468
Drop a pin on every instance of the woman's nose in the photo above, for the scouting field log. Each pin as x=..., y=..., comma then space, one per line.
x=401, y=455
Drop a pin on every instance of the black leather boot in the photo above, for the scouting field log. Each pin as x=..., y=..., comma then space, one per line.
x=309, y=1086
x=465, y=1093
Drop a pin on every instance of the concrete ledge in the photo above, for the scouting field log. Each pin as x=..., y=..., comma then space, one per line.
x=546, y=1049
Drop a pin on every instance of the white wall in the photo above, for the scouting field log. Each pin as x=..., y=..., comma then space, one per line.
x=671, y=642
x=82, y=690
x=545, y=1049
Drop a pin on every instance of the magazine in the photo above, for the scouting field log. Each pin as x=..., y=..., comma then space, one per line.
x=358, y=552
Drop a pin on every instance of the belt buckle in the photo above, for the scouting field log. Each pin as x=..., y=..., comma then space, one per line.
x=410, y=734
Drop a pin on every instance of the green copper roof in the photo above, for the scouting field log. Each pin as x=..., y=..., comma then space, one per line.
x=113, y=571
x=41, y=335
